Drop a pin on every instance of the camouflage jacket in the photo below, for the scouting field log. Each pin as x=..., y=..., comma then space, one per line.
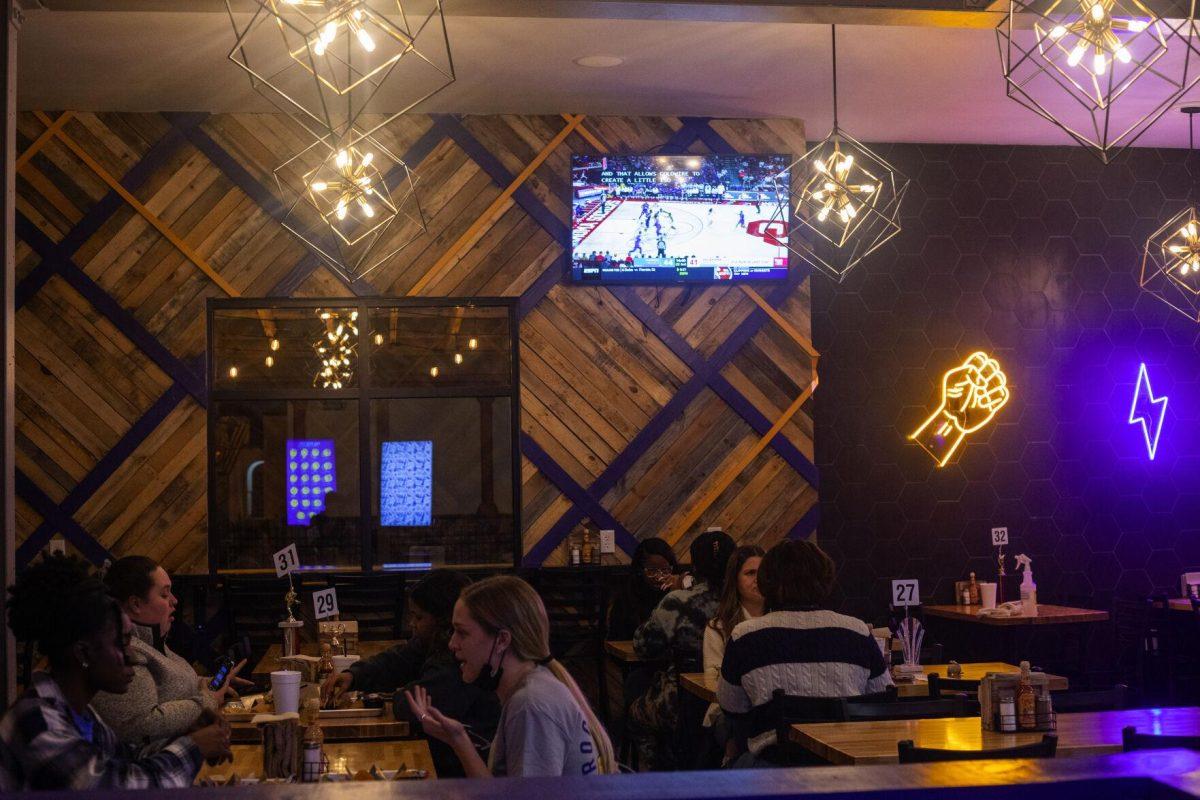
x=675, y=630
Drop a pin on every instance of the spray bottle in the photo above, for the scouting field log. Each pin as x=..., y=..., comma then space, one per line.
x=1028, y=587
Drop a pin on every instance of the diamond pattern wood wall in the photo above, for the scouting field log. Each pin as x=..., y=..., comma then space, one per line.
x=651, y=411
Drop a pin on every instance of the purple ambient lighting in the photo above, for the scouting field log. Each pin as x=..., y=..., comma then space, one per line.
x=1148, y=410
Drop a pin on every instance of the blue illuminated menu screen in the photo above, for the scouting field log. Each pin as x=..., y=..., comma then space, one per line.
x=311, y=473
x=406, y=484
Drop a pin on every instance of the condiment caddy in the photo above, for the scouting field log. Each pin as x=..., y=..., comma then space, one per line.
x=1016, y=702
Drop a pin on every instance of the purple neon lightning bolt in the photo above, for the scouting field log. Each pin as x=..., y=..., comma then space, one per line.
x=1148, y=410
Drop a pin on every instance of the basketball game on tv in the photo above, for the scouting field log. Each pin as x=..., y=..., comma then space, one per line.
x=678, y=219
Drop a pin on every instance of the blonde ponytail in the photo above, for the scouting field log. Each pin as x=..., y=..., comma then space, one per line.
x=509, y=603
x=605, y=759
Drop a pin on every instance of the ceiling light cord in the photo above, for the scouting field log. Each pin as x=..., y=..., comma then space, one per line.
x=833, y=38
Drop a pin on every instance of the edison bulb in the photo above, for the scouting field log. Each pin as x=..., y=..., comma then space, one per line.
x=458, y=359
x=274, y=344
x=472, y=343
x=233, y=372
x=270, y=361
x=433, y=372
x=378, y=339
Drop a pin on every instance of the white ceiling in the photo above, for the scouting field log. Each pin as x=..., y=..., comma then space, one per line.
x=897, y=83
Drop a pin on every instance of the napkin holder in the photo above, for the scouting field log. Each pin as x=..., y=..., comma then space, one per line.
x=993, y=684
x=282, y=748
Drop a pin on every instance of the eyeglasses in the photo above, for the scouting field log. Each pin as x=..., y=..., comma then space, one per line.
x=656, y=573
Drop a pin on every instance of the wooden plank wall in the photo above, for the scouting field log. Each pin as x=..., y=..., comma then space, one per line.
x=656, y=411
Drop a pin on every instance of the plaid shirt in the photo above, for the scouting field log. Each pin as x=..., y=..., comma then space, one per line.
x=41, y=748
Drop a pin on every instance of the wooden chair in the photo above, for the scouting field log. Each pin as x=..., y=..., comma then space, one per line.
x=1132, y=740
x=254, y=605
x=376, y=601
x=576, y=603
x=939, y=685
x=1112, y=699
x=951, y=706
x=787, y=710
x=909, y=753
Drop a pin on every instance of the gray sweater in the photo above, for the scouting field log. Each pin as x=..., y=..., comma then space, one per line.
x=163, y=701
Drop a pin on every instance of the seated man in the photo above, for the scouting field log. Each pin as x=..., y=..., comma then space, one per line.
x=797, y=646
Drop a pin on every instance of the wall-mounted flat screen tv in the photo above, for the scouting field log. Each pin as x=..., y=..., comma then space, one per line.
x=679, y=219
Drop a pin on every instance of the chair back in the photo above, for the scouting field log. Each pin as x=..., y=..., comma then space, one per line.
x=787, y=710
x=939, y=685
x=1132, y=740
x=908, y=753
x=1113, y=699
x=374, y=600
x=951, y=706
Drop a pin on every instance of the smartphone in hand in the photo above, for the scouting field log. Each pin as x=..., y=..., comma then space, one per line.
x=224, y=666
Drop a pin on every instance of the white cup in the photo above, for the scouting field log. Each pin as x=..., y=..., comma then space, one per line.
x=285, y=687
x=987, y=595
x=342, y=663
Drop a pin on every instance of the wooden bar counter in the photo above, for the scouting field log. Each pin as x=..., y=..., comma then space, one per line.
x=1161, y=775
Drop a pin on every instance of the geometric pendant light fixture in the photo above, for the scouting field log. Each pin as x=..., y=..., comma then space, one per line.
x=1103, y=71
x=329, y=62
x=844, y=199
x=344, y=70
x=1171, y=258
x=352, y=201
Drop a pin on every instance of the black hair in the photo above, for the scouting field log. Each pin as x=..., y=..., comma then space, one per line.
x=652, y=546
x=438, y=591
x=795, y=575
x=58, y=602
x=130, y=576
x=710, y=552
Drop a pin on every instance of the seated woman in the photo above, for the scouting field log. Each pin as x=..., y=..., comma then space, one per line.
x=426, y=661
x=650, y=573
x=166, y=696
x=502, y=642
x=740, y=600
x=797, y=646
x=674, y=634
x=52, y=738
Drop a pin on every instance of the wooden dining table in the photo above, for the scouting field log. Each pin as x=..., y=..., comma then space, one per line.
x=270, y=660
x=701, y=685
x=1083, y=733
x=1007, y=629
x=337, y=729
x=344, y=758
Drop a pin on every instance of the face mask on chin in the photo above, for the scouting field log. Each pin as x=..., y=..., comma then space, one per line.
x=488, y=679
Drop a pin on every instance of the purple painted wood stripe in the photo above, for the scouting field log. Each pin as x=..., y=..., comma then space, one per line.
x=230, y=167
x=542, y=286
x=28, y=491
x=101, y=212
x=710, y=371
x=807, y=524
x=523, y=196
x=683, y=138
x=576, y=493
x=625, y=460
x=125, y=322
x=782, y=446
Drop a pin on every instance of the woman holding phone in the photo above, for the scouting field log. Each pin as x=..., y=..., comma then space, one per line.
x=166, y=697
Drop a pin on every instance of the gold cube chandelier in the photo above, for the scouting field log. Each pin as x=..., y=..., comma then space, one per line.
x=331, y=61
x=844, y=199
x=1074, y=62
x=352, y=201
x=1171, y=264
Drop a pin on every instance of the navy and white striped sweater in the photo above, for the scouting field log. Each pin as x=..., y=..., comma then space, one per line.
x=805, y=653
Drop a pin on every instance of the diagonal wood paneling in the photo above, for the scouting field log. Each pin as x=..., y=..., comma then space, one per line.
x=653, y=409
